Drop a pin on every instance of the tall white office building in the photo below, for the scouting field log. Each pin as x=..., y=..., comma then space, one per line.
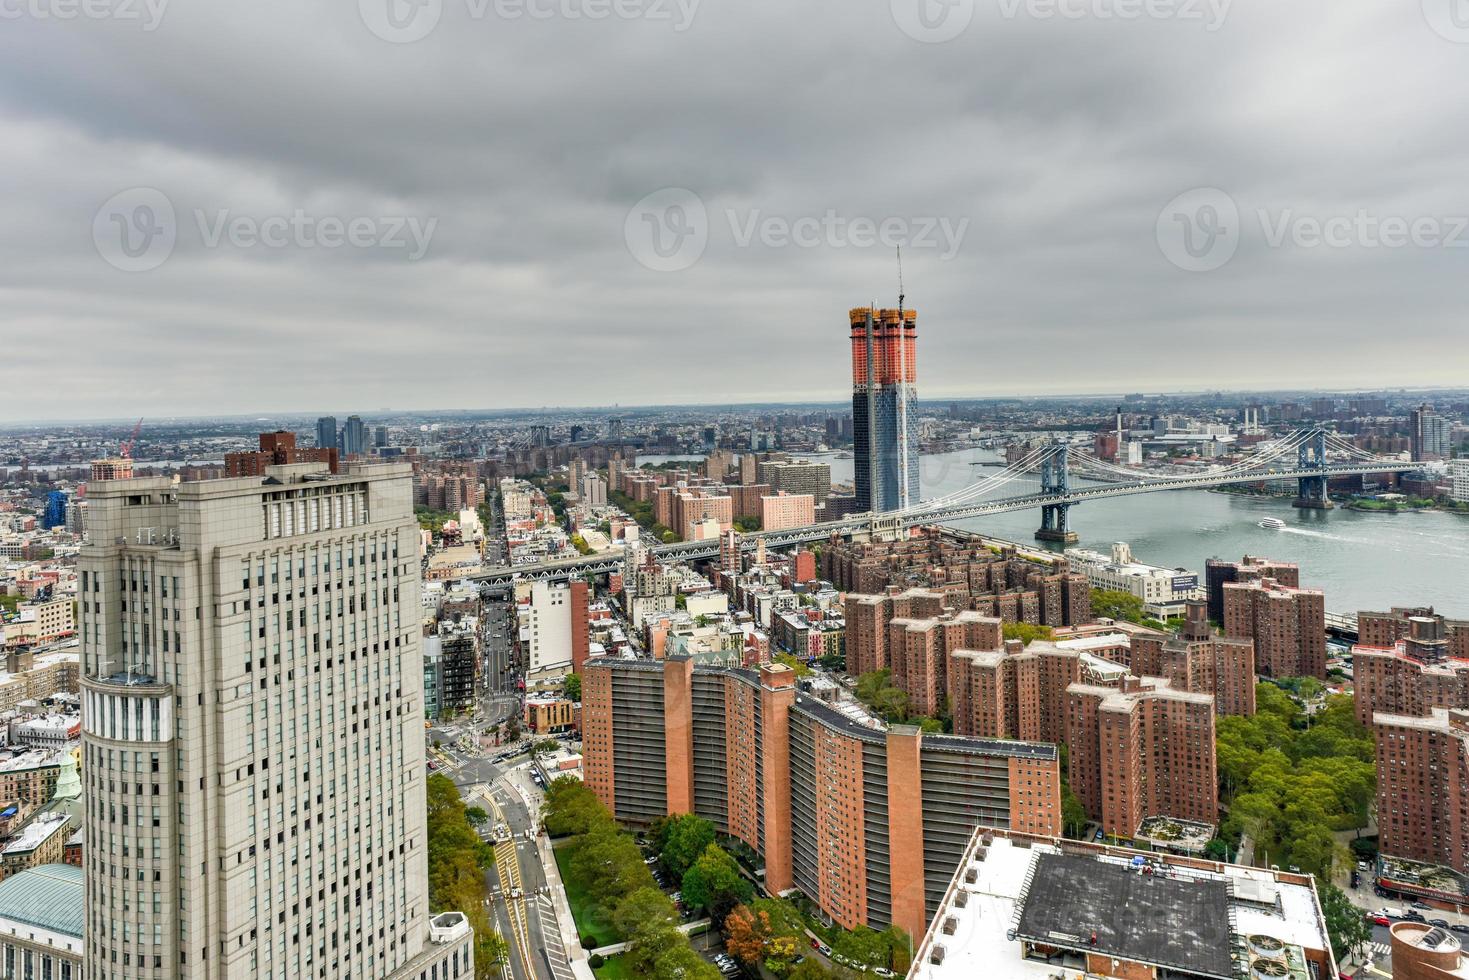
x=253, y=731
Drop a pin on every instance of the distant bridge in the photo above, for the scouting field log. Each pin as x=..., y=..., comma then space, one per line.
x=1309, y=456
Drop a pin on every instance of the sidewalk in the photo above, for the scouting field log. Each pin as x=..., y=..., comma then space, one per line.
x=570, y=941
x=684, y=928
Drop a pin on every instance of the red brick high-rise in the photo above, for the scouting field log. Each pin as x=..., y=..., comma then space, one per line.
x=276, y=449
x=857, y=818
x=1423, y=787
x=1287, y=625
x=1422, y=668
x=1142, y=750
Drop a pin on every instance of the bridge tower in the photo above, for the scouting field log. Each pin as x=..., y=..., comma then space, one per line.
x=1311, y=490
x=1056, y=479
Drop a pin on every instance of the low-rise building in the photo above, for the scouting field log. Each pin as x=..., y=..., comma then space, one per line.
x=1024, y=908
x=1163, y=591
x=42, y=916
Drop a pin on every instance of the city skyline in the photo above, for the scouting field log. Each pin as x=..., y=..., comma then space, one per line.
x=1059, y=278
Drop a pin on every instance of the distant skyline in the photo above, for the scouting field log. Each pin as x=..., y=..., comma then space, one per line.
x=303, y=416
x=359, y=217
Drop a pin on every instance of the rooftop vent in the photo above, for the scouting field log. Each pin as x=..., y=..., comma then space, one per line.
x=1267, y=947
x=1268, y=970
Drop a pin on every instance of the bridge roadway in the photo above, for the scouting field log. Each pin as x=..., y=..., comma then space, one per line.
x=553, y=571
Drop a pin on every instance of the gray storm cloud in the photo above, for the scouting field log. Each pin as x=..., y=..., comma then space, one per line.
x=293, y=144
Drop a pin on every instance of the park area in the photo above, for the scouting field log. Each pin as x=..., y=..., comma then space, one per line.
x=593, y=920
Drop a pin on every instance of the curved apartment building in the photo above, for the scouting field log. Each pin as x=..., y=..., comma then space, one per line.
x=867, y=822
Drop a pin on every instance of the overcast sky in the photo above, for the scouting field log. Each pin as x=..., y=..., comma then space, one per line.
x=284, y=205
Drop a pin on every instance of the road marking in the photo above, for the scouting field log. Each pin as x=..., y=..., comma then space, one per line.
x=507, y=866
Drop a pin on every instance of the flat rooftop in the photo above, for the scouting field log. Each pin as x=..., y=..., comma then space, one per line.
x=1179, y=923
x=1026, y=908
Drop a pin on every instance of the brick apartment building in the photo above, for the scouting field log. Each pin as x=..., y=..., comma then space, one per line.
x=276, y=449
x=868, y=823
x=919, y=651
x=1412, y=687
x=868, y=617
x=1385, y=629
x=1287, y=625
x=1219, y=573
x=1423, y=786
x=958, y=576
x=781, y=511
x=1196, y=660
x=1141, y=750
x=1411, y=667
x=1020, y=692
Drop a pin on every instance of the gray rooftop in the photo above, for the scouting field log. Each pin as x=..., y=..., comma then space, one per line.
x=48, y=896
x=1175, y=923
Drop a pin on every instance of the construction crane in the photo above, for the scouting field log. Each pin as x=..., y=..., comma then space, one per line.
x=127, y=447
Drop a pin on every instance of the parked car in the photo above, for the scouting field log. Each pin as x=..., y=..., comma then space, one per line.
x=1422, y=905
x=1413, y=916
x=1441, y=923
x=1378, y=920
x=1459, y=927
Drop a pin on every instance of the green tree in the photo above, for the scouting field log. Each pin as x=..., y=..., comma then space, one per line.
x=456, y=862
x=714, y=883
x=809, y=969
x=680, y=962
x=647, y=904
x=571, y=687
x=680, y=841
x=1028, y=633
x=1345, y=925
x=609, y=863
x=1073, y=814
x=477, y=815
x=1115, y=604
x=572, y=808
x=799, y=666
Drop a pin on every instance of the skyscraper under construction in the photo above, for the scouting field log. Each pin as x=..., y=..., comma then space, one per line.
x=884, y=407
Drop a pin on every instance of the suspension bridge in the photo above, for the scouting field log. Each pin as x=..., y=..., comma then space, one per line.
x=1051, y=478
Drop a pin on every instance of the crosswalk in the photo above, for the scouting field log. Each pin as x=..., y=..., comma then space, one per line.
x=1380, y=950
x=551, y=935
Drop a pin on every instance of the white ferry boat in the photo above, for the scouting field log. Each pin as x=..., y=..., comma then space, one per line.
x=1273, y=524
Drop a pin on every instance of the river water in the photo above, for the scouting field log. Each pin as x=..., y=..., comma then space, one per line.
x=1360, y=560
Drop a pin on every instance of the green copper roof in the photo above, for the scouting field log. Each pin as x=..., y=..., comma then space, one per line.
x=48, y=897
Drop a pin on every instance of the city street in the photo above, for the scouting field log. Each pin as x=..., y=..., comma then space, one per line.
x=518, y=908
